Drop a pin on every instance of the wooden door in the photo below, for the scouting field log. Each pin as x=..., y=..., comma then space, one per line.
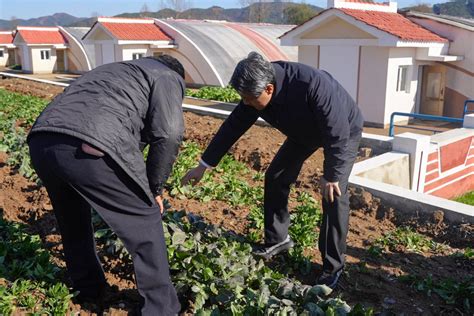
x=11, y=57
x=432, y=91
x=60, y=66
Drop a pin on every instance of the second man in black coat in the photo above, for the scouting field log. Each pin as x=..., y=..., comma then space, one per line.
x=313, y=110
x=86, y=147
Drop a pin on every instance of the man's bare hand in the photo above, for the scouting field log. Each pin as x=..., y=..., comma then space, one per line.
x=329, y=189
x=159, y=201
x=193, y=176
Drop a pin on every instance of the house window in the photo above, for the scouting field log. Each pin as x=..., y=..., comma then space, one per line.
x=1, y=53
x=138, y=55
x=45, y=54
x=403, y=84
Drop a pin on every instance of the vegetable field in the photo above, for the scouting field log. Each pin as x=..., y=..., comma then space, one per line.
x=395, y=264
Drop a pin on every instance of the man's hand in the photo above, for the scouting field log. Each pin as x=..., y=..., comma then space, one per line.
x=159, y=201
x=194, y=175
x=328, y=189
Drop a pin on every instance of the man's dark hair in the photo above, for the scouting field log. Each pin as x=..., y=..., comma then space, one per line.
x=252, y=75
x=172, y=63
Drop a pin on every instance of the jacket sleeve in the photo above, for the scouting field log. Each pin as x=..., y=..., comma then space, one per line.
x=238, y=122
x=164, y=129
x=333, y=119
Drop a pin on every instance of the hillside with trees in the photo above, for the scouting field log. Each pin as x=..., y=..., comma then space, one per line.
x=458, y=8
x=277, y=12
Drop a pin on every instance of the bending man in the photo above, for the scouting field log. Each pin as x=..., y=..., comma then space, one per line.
x=313, y=110
x=87, y=146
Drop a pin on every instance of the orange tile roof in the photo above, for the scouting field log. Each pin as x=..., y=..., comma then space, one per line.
x=39, y=36
x=395, y=24
x=368, y=2
x=6, y=38
x=136, y=31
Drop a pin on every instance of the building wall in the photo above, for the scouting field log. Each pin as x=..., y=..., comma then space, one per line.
x=43, y=66
x=72, y=65
x=129, y=50
x=76, y=55
x=401, y=101
x=309, y=55
x=459, y=74
x=108, y=52
x=373, y=83
x=98, y=54
x=346, y=72
x=18, y=55
x=337, y=29
x=4, y=59
x=25, y=58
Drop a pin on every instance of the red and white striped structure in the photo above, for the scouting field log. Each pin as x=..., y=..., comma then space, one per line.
x=450, y=166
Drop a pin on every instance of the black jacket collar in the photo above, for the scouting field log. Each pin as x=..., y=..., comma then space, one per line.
x=279, y=94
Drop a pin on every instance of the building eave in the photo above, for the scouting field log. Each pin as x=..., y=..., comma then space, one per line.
x=440, y=19
x=144, y=42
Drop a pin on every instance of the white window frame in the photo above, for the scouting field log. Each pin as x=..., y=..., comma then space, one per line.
x=2, y=54
x=403, y=82
x=137, y=55
x=45, y=54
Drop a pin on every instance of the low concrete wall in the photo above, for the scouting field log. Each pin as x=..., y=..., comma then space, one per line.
x=379, y=144
x=411, y=202
x=391, y=168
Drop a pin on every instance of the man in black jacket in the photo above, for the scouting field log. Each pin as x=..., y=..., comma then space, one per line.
x=312, y=110
x=86, y=147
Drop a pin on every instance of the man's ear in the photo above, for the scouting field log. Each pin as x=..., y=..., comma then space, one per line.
x=270, y=88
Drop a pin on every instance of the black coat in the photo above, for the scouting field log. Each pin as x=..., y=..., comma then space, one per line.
x=308, y=106
x=119, y=108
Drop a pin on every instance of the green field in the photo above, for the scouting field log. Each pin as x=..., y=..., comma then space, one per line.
x=467, y=198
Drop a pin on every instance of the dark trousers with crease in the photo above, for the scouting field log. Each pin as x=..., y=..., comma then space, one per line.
x=282, y=172
x=77, y=181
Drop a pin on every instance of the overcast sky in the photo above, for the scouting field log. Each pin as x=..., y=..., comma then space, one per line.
x=26, y=9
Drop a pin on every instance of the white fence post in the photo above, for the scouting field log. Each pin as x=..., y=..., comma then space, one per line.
x=468, y=121
x=417, y=146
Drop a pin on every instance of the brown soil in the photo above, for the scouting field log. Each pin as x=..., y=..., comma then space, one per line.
x=368, y=280
x=33, y=88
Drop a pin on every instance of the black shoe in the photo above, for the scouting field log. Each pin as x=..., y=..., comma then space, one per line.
x=268, y=251
x=94, y=296
x=330, y=280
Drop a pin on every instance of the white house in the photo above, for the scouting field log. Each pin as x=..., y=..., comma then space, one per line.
x=41, y=49
x=386, y=62
x=7, y=49
x=119, y=39
x=208, y=50
x=458, y=76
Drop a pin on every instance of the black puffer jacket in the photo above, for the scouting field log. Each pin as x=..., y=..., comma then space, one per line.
x=119, y=108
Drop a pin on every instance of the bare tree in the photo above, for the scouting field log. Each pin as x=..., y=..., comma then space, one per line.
x=161, y=5
x=14, y=22
x=245, y=3
x=145, y=8
x=179, y=5
x=258, y=9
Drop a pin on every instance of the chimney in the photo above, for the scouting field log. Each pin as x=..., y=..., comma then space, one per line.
x=367, y=5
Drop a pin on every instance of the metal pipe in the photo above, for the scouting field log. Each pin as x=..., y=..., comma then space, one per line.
x=422, y=117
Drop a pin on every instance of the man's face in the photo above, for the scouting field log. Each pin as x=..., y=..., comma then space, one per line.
x=260, y=102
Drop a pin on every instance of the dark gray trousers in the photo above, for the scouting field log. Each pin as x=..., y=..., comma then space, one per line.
x=77, y=181
x=282, y=172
